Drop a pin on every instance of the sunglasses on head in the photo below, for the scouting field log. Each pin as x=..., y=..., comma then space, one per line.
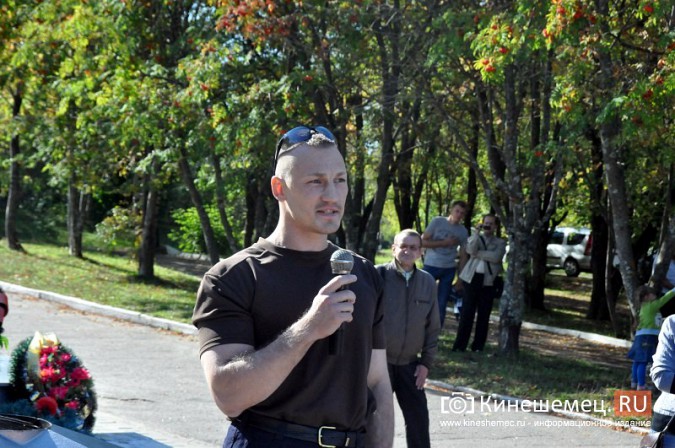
x=300, y=134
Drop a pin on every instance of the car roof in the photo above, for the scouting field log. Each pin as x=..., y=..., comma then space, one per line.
x=572, y=229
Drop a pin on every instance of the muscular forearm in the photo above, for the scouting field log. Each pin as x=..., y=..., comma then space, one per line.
x=247, y=379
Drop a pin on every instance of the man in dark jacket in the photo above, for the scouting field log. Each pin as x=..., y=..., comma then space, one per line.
x=412, y=325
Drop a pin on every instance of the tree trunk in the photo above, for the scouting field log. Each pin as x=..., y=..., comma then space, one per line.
x=354, y=218
x=610, y=284
x=472, y=183
x=536, y=283
x=14, y=193
x=402, y=171
x=513, y=300
x=616, y=181
x=251, y=200
x=390, y=70
x=196, y=197
x=220, y=198
x=598, y=307
x=148, y=249
x=513, y=297
x=74, y=220
x=540, y=117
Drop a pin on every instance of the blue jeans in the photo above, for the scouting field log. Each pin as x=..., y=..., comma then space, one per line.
x=249, y=437
x=445, y=277
x=639, y=373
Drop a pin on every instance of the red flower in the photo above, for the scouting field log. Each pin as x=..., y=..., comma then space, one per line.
x=80, y=373
x=72, y=405
x=59, y=392
x=65, y=357
x=47, y=404
x=48, y=350
x=649, y=9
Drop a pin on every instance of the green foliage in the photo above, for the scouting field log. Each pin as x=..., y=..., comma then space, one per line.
x=188, y=237
x=120, y=229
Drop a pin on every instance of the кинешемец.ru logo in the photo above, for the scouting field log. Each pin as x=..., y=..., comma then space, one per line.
x=632, y=403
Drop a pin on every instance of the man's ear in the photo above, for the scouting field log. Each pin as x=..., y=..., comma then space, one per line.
x=277, y=185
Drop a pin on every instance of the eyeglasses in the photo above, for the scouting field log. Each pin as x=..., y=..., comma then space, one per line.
x=412, y=247
x=300, y=134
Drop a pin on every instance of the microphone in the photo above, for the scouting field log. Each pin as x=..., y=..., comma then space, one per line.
x=341, y=263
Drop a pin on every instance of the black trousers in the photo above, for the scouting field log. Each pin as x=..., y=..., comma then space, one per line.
x=478, y=300
x=659, y=422
x=413, y=403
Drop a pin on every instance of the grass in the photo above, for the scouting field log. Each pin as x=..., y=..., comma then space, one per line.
x=111, y=279
x=567, y=301
x=101, y=278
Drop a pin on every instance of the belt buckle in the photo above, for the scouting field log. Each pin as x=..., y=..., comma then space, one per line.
x=321, y=444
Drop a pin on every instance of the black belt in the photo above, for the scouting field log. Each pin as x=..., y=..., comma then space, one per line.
x=325, y=436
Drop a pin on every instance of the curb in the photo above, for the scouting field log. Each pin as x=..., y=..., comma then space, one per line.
x=575, y=333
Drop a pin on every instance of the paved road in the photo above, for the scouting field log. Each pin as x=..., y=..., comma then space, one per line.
x=152, y=393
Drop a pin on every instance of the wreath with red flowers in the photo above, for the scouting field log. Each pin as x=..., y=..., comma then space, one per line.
x=59, y=389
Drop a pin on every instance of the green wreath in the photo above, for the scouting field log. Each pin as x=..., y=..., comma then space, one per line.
x=58, y=389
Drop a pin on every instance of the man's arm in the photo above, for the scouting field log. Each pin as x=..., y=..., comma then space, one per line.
x=240, y=377
x=430, y=243
x=381, y=424
x=663, y=368
x=432, y=328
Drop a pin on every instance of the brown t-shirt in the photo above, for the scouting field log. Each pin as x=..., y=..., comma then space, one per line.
x=256, y=294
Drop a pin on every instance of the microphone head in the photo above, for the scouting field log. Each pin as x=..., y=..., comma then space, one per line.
x=341, y=262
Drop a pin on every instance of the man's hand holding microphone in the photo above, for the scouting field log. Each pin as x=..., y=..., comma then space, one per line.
x=334, y=304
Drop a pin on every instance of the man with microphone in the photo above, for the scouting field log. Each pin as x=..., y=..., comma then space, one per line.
x=266, y=316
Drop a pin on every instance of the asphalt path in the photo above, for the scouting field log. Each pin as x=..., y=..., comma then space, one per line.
x=152, y=394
